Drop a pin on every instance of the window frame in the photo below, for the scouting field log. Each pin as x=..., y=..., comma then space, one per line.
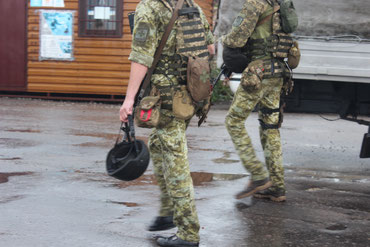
x=83, y=20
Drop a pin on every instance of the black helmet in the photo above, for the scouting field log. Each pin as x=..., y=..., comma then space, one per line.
x=128, y=159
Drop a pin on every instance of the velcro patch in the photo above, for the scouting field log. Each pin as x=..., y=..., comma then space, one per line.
x=238, y=21
x=142, y=32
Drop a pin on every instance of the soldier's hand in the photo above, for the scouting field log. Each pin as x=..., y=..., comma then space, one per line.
x=126, y=109
x=226, y=81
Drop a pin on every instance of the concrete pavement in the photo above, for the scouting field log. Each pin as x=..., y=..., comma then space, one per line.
x=54, y=190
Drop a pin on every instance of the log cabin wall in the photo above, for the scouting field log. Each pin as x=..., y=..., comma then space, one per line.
x=100, y=65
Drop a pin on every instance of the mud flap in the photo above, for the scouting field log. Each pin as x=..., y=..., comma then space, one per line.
x=365, y=148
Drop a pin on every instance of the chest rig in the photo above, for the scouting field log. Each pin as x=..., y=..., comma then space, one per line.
x=277, y=45
x=190, y=41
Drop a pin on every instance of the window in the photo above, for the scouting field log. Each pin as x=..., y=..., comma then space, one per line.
x=100, y=18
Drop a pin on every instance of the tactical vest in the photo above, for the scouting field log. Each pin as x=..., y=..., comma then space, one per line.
x=191, y=37
x=276, y=44
x=191, y=41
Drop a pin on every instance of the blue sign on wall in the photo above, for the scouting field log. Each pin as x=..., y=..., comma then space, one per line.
x=36, y=3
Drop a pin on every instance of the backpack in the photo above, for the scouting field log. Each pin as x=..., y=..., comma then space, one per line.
x=288, y=14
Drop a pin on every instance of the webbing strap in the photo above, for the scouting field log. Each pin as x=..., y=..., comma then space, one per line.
x=159, y=50
x=265, y=126
x=194, y=48
x=269, y=111
x=276, y=9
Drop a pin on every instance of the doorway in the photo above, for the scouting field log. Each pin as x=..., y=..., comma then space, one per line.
x=13, y=45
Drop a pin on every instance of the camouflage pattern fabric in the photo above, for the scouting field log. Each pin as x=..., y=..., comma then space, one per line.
x=151, y=19
x=168, y=151
x=167, y=142
x=245, y=23
x=267, y=96
x=191, y=39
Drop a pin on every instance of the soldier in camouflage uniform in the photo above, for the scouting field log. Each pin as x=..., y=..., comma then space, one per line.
x=167, y=143
x=253, y=32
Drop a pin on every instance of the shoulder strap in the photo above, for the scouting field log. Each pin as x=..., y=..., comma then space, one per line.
x=276, y=9
x=159, y=50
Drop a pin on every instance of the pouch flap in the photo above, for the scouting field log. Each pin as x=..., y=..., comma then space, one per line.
x=149, y=102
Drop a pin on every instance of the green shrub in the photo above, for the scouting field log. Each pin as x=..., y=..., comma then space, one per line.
x=221, y=93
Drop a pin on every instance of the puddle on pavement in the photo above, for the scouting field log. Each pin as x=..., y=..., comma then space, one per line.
x=215, y=124
x=16, y=143
x=11, y=158
x=4, y=177
x=143, y=180
x=314, y=189
x=336, y=227
x=111, y=139
x=225, y=159
x=328, y=176
x=10, y=199
x=107, y=136
x=24, y=130
x=245, y=204
x=127, y=204
x=199, y=178
x=94, y=144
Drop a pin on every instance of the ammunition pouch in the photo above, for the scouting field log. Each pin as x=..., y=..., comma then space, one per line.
x=258, y=70
x=199, y=78
x=177, y=100
x=147, y=113
x=252, y=76
x=294, y=56
x=276, y=46
x=182, y=104
x=172, y=65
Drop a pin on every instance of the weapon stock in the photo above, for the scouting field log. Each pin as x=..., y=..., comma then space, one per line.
x=131, y=17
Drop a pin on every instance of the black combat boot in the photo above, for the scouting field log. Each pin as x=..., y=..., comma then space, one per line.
x=162, y=223
x=274, y=194
x=253, y=187
x=174, y=241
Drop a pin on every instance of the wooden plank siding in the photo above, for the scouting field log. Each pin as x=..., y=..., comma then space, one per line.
x=100, y=65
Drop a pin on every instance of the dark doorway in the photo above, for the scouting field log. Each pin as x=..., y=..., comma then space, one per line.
x=13, y=52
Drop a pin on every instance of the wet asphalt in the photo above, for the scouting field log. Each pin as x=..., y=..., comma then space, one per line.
x=54, y=190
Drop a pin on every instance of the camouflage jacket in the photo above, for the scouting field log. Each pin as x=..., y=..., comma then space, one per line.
x=244, y=25
x=151, y=19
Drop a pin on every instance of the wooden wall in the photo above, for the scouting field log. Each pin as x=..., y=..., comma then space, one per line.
x=101, y=65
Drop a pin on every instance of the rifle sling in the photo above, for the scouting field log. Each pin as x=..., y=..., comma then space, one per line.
x=159, y=50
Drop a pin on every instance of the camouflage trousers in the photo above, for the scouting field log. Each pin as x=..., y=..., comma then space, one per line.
x=267, y=96
x=168, y=151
